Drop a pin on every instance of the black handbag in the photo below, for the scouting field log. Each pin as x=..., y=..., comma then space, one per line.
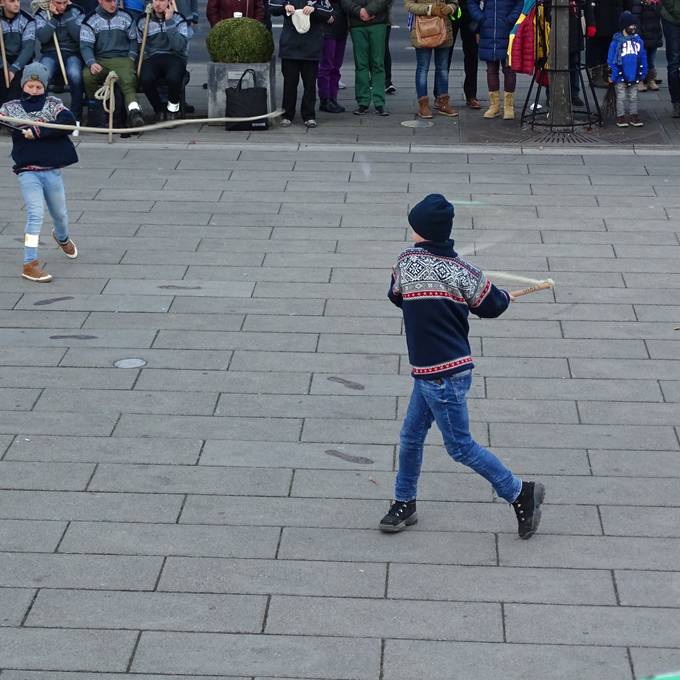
x=246, y=102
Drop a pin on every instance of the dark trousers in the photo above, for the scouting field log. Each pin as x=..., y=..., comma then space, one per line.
x=597, y=49
x=671, y=33
x=293, y=70
x=470, y=57
x=167, y=67
x=14, y=89
x=574, y=72
x=388, y=56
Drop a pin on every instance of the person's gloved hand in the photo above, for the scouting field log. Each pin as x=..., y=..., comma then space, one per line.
x=448, y=10
x=591, y=31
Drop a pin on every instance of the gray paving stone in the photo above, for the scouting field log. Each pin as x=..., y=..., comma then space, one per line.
x=148, y=611
x=214, y=322
x=66, y=649
x=246, y=306
x=648, y=589
x=384, y=619
x=501, y=584
x=581, y=389
x=582, y=625
x=207, y=427
x=190, y=479
x=425, y=660
x=25, y=536
x=311, y=362
x=628, y=413
x=57, y=505
x=67, y=337
x=243, y=382
x=100, y=303
x=168, y=539
x=371, y=546
x=185, y=287
x=212, y=575
x=640, y=521
x=663, y=349
x=586, y=436
x=126, y=401
x=625, y=368
x=591, y=552
x=545, y=347
x=41, y=319
x=14, y=604
x=635, y=463
x=307, y=406
x=321, y=324
x=309, y=657
x=648, y=662
x=14, y=399
x=104, y=450
x=656, y=313
x=31, y=570
x=262, y=246
x=155, y=358
x=523, y=367
x=364, y=384
x=297, y=455
x=67, y=377
x=50, y=675
x=46, y=476
x=224, y=340
x=671, y=390
x=230, y=273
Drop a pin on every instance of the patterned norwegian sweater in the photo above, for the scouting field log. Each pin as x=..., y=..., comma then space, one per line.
x=51, y=148
x=435, y=290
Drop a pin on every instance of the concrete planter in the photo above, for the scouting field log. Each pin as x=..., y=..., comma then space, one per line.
x=222, y=76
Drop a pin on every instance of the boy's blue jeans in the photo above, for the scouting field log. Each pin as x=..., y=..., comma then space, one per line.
x=445, y=403
x=36, y=186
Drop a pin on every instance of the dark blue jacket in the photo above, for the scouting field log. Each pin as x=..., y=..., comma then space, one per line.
x=494, y=24
x=304, y=46
x=436, y=290
x=627, y=58
x=51, y=148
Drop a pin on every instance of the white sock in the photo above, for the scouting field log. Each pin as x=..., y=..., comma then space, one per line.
x=173, y=108
x=132, y=106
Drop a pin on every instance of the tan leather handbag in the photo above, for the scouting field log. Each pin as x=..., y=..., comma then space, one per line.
x=430, y=31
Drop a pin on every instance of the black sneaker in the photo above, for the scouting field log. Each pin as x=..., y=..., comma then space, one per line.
x=323, y=105
x=401, y=514
x=380, y=111
x=334, y=107
x=361, y=110
x=528, y=508
x=390, y=89
x=576, y=100
x=135, y=117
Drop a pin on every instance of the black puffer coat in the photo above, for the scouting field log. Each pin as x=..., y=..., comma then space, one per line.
x=648, y=17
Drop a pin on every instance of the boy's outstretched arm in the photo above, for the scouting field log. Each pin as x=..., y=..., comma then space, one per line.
x=394, y=291
x=488, y=301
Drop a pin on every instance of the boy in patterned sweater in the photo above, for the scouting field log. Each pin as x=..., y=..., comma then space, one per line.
x=38, y=155
x=436, y=289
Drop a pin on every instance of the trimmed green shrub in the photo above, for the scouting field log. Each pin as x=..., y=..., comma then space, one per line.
x=240, y=41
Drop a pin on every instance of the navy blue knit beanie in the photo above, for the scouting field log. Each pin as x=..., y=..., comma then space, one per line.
x=625, y=20
x=432, y=218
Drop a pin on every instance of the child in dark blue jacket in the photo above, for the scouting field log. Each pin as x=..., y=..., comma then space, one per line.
x=436, y=290
x=38, y=155
x=627, y=62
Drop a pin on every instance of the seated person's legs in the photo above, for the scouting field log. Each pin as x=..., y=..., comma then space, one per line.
x=74, y=71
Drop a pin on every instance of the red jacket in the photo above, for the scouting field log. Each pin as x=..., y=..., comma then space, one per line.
x=224, y=9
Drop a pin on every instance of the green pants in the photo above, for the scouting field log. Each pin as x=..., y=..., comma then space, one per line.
x=124, y=67
x=368, y=43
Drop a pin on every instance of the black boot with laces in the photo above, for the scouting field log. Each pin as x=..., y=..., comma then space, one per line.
x=401, y=514
x=528, y=508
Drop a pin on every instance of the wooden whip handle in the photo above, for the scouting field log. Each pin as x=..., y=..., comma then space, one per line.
x=542, y=285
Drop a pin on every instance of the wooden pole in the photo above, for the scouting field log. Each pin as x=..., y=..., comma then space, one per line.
x=60, y=59
x=5, y=70
x=148, y=11
x=542, y=285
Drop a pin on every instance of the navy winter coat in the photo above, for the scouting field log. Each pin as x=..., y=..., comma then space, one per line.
x=494, y=24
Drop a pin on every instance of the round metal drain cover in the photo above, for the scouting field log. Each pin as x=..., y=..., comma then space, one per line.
x=417, y=123
x=129, y=363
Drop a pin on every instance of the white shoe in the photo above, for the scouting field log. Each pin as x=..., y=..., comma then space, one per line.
x=342, y=86
x=311, y=123
x=285, y=122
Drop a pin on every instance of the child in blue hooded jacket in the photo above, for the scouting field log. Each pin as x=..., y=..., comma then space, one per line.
x=627, y=62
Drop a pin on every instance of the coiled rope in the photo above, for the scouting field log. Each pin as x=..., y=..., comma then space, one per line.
x=107, y=96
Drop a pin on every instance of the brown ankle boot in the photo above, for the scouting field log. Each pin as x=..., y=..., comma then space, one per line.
x=442, y=106
x=424, y=110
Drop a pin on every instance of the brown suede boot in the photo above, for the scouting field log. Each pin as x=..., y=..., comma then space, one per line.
x=508, y=106
x=424, y=110
x=651, y=80
x=441, y=105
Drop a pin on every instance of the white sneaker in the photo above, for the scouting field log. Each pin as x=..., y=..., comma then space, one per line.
x=285, y=122
x=342, y=86
x=311, y=123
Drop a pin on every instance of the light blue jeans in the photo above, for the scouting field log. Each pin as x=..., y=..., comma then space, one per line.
x=445, y=401
x=74, y=71
x=441, y=70
x=38, y=188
